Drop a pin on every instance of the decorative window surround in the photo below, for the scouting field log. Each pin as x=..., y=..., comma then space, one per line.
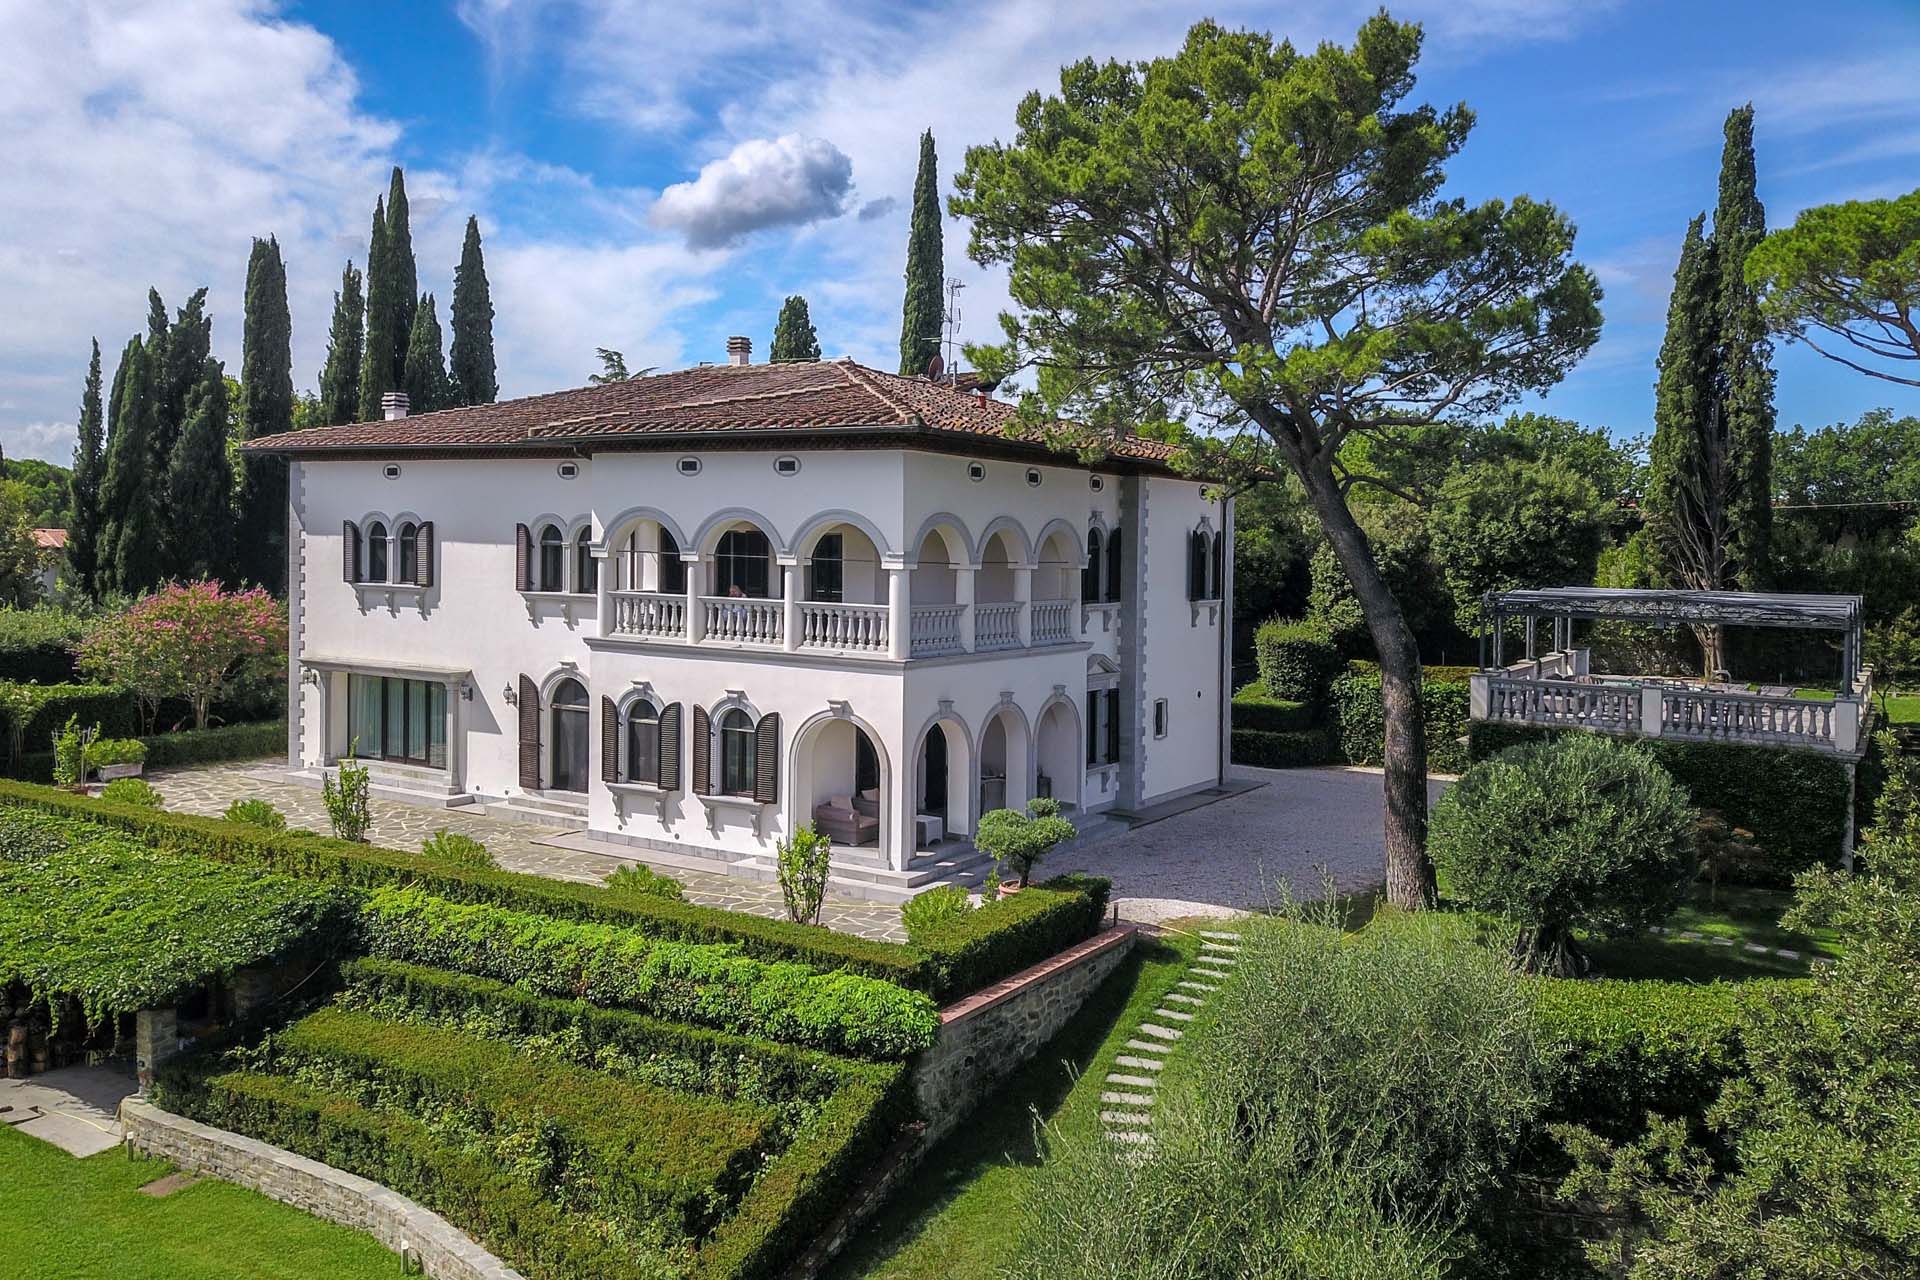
x=638, y=794
x=745, y=807
x=1194, y=607
x=570, y=602
x=393, y=595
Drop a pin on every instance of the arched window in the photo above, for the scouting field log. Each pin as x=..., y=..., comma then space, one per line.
x=643, y=742
x=553, y=558
x=1197, y=565
x=736, y=753
x=673, y=570
x=567, y=739
x=409, y=539
x=1116, y=562
x=586, y=570
x=377, y=552
x=741, y=564
x=628, y=570
x=826, y=574
x=1090, y=579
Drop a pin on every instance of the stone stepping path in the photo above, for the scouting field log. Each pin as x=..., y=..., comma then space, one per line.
x=1127, y=1115
x=1751, y=948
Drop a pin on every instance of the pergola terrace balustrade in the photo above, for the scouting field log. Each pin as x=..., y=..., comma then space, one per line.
x=1556, y=687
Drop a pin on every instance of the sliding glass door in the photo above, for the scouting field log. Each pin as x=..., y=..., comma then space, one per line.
x=405, y=721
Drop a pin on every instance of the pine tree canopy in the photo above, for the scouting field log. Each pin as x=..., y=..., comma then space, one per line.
x=426, y=383
x=793, y=335
x=340, y=376
x=471, y=357
x=923, y=317
x=83, y=536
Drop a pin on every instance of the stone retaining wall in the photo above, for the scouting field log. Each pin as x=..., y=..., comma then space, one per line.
x=989, y=1035
x=443, y=1250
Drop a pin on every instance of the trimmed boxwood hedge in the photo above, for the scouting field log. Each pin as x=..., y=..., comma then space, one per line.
x=36, y=645
x=1795, y=802
x=1361, y=720
x=115, y=710
x=710, y=984
x=1256, y=708
x=1298, y=749
x=1297, y=659
x=185, y=747
x=974, y=949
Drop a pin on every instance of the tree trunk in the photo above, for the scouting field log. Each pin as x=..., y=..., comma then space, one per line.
x=1410, y=881
x=1713, y=651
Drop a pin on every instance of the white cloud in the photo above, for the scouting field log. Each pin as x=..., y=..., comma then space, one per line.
x=786, y=181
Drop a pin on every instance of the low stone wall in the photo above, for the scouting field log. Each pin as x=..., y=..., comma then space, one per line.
x=443, y=1250
x=992, y=1033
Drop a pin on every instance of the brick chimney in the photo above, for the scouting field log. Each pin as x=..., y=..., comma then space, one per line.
x=394, y=405
x=739, y=350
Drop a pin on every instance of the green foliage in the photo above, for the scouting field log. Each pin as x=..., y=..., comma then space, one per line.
x=137, y=792
x=189, y=641
x=1794, y=802
x=1615, y=468
x=923, y=314
x=1298, y=661
x=1254, y=707
x=425, y=376
x=803, y=866
x=1354, y=1101
x=20, y=557
x=1847, y=274
x=1361, y=724
x=1500, y=525
x=1293, y=749
x=340, y=376
x=925, y=913
x=456, y=849
x=209, y=746
x=32, y=712
x=83, y=913
x=199, y=478
x=110, y=751
x=1021, y=840
x=36, y=645
x=793, y=335
x=384, y=354
x=1008, y=934
x=643, y=881
x=259, y=554
x=470, y=358
x=349, y=812
x=1402, y=545
x=707, y=984
x=1580, y=831
x=83, y=533
x=256, y=812
x=69, y=755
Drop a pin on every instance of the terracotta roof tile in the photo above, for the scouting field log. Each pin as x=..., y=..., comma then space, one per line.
x=822, y=396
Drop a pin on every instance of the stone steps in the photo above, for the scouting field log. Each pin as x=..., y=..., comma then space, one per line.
x=1131, y=1130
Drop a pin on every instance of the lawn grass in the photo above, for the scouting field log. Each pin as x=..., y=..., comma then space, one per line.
x=86, y=1219
x=1904, y=709
x=959, y=1215
x=1735, y=912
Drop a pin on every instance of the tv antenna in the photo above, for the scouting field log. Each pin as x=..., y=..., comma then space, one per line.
x=952, y=327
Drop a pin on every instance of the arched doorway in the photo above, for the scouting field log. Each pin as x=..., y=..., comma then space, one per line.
x=1057, y=752
x=567, y=736
x=842, y=784
x=933, y=776
x=1004, y=767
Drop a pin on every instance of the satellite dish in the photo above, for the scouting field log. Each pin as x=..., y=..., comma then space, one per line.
x=935, y=367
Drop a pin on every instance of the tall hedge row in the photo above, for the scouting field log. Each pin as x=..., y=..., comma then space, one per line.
x=36, y=645
x=1297, y=659
x=1360, y=718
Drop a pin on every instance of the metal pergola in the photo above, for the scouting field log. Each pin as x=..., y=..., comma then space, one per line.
x=1564, y=606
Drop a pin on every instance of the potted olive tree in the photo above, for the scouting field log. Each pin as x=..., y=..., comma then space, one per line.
x=1021, y=840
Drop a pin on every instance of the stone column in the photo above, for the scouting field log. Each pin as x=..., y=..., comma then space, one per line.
x=1650, y=710
x=603, y=588
x=696, y=580
x=963, y=596
x=794, y=575
x=156, y=1037
x=1023, y=595
x=899, y=613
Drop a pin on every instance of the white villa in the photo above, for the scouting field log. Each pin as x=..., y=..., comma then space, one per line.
x=693, y=611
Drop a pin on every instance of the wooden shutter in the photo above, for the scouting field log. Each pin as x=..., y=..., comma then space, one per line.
x=1116, y=560
x=1093, y=726
x=529, y=734
x=1113, y=725
x=702, y=751
x=522, y=558
x=1090, y=582
x=1217, y=588
x=349, y=551
x=609, y=740
x=423, y=554
x=766, y=759
x=670, y=748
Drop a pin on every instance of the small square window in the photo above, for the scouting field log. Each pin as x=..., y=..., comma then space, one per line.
x=568, y=470
x=391, y=471
x=1033, y=477
x=1096, y=483
x=976, y=471
x=689, y=466
x=786, y=466
x=1159, y=717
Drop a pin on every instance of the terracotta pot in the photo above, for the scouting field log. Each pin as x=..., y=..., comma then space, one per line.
x=1008, y=890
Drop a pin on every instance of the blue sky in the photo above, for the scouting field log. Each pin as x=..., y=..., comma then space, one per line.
x=654, y=176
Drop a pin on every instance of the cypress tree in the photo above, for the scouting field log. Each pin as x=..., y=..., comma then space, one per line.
x=189, y=339
x=426, y=380
x=258, y=552
x=471, y=357
x=200, y=532
x=83, y=536
x=922, y=316
x=406, y=282
x=134, y=478
x=340, y=377
x=793, y=335
x=1744, y=356
x=377, y=373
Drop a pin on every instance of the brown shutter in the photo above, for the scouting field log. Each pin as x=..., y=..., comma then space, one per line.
x=1093, y=726
x=702, y=751
x=1113, y=725
x=609, y=740
x=522, y=557
x=529, y=734
x=766, y=759
x=423, y=554
x=1116, y=562
x=670, y=748
x=349, y=551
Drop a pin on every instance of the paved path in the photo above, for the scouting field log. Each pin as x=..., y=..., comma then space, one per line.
x=209, y=789
x=1231, y=856
x=1132, y=1087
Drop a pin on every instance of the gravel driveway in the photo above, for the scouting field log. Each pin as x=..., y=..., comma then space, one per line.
x=1231, y=855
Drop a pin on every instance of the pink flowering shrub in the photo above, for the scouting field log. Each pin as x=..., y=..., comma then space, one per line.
x=187, y=641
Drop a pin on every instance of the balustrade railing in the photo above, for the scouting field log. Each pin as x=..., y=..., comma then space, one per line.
x=738, y=620
x=1052, y=621
x=936, y=629
x=861, y=628
x=1707, y=716
x=996, y=626
x=1594, y=706
x=649, y=614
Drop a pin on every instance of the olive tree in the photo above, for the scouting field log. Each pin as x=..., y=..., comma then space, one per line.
x=1251, y=240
